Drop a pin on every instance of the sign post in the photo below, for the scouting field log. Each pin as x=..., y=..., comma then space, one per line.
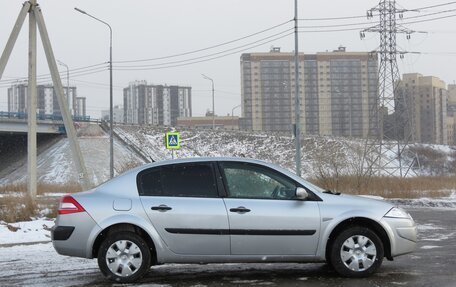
x=172, y=140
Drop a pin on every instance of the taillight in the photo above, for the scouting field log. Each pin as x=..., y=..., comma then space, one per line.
x=69, y=205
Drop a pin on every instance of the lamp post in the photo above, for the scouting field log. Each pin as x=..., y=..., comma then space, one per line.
x=111, y=140
x=232, y=113
x=213, y=105
x=69, y=100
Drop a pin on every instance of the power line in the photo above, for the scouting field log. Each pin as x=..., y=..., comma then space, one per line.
x=204, y=56
x=367, y=23
x=434, y=6
x=97, y=83
x=207, y=48
x=45, y=80
x=364, y=16
x=432, y=19
x=333, y=18
x=199, y=61
x=75, y=71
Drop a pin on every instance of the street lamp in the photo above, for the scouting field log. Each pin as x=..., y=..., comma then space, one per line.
x=213, y=105
x=69, y=100
x=111, y=140
x=232, y=114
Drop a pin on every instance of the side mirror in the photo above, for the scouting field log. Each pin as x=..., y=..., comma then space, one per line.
x=301, y=193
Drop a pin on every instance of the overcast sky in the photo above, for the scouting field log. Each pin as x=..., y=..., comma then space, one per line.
x=146, y=29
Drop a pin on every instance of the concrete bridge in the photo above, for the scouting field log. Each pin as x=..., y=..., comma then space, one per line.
x=46, y=124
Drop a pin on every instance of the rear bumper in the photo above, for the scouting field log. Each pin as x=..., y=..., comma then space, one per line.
x=72, y=234
x=61, y=232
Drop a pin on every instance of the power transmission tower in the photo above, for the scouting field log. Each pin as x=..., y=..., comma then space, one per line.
x=390, y=126
x=32, y=9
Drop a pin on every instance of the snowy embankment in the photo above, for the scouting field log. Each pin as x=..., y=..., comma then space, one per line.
x=321, y=155
x=55, y=165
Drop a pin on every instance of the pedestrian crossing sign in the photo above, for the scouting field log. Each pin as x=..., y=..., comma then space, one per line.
x=172, y=140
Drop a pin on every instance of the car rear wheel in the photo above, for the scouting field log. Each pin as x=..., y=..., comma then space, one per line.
x=124, y=257
x=356, y=252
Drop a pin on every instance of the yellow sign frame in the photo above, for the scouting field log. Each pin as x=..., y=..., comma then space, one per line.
x=168, y=140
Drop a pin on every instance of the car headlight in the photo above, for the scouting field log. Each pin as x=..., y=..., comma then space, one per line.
x=397, y=212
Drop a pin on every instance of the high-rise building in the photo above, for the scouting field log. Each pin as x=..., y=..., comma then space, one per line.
x=337, y=89
x=451, y=99
x=47, y=103
x=426, y=98
x=156, y=104
x=80, y=107
x=117, y=114
x=17, y=98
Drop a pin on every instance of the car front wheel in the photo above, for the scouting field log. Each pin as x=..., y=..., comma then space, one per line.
x=356, y=252
x=124, y=257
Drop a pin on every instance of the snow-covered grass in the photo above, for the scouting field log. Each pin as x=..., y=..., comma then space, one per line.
x=37, y=230
x=321, y=155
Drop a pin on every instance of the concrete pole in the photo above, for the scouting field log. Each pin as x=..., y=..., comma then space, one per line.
x=297, y=99
x=84, y=178
x=31, y=106
x=13, y=37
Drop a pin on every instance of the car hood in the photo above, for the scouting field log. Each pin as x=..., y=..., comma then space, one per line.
x=353, y=205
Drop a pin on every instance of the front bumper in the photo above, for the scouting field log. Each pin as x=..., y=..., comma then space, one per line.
x=402, y=233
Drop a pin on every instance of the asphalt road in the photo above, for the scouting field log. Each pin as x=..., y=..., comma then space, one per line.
x=432, y=264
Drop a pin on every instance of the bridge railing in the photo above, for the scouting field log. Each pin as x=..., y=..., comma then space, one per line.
x=41, y=116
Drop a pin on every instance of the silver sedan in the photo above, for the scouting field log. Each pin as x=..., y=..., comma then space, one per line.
x=226, y=210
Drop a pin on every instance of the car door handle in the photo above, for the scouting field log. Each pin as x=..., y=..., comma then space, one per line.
x=240, y=209
x=161, y=207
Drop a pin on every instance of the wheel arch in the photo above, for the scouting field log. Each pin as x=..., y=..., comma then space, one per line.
x=363, y=222
x=130, y=227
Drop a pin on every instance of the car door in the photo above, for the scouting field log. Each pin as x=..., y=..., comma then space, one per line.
x=265, y=217
x=182, y=203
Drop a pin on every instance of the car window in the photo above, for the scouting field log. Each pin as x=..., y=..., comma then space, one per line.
x=185, y=180
x=253, y=181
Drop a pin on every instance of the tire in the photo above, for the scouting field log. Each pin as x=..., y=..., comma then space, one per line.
x=124, y=257
x=356, y=252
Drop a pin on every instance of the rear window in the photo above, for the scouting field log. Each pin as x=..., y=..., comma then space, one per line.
x=182, y=180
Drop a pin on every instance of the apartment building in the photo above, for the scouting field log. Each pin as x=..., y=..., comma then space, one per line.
x=427, y=102
x=156, y=104
x=117, y=114
x=337, y=91
x=47, y=103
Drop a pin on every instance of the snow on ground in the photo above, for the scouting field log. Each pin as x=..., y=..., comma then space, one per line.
x=34, y=268
x=443, y=202
x=37, y=230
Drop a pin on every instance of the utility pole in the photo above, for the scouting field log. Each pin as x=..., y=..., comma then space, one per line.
x=36, y=20
x=31, y=106
x=297, y=126
x=390, y=126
